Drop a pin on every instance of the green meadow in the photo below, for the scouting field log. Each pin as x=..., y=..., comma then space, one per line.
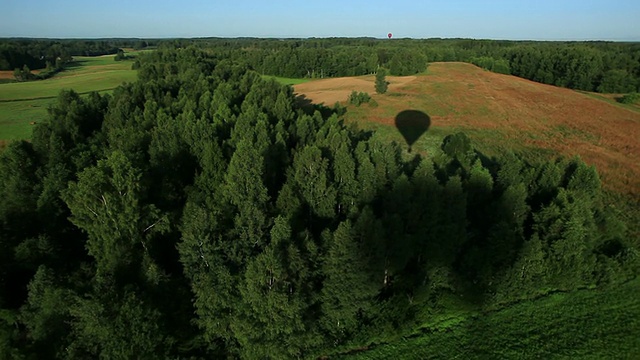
x=286, y=81
x=25, y=103
x=585, y=324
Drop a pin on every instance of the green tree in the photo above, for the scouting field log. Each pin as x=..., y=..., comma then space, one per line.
x=273, y=300
x=348, y=288
x=310, y=171
x=23, y=74
x=617, y=81
x=205, y=264
x=381, y=81
x=46, y=313
x=246, y=191
x=120, y=55
x=117, y=327
x=106, y=202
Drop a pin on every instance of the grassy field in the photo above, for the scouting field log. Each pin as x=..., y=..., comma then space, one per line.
x=286, y=81
x=22, y=104
x=501, y=113
x=593, y=324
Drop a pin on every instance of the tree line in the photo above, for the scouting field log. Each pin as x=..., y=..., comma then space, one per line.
x=608, y=67
x=200, y=212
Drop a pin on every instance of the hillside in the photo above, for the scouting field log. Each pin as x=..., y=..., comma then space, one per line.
x=502, y=112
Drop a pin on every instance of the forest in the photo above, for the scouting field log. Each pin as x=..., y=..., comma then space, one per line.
x=202, y=212
x=606, y=67
x=609, y=67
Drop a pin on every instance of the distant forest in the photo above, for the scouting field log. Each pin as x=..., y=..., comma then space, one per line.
x=591, y=66
x=607, y=67
x=201, y=213
x=35, y=54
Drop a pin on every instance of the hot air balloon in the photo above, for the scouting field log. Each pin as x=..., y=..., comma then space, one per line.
x=412, y=124
x=389, y=35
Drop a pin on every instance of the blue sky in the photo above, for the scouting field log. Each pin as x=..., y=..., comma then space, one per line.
x=499, y=19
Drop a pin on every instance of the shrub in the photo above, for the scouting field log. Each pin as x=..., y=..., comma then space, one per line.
x=631, y=98
x=359, y=98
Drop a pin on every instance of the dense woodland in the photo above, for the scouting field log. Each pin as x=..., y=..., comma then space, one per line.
x=201, y=213
x=611, y=67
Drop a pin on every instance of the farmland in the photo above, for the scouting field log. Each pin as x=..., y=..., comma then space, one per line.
x=25, y=103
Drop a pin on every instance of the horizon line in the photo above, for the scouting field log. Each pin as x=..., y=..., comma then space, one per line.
x=270, y=37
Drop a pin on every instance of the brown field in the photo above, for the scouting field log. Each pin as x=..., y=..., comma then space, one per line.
x=8, y=74
x=330, y=91
x=508, y=112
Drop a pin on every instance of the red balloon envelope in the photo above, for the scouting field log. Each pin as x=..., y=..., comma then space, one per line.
x=390, y=35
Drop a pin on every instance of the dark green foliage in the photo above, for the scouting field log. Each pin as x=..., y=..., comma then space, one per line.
x=617, y=81
x=632, y=98
x=407, y=62
x=23, y=74
x=120, y=56
x=348, y=293
x=381, y=82
x=500, y=66
x=199, y=213
x=358, y=98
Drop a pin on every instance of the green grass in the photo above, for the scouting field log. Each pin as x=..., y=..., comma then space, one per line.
x=594, y=324
x=85, y=75
x=16, y=117
x=25, y=102
x=286, y=81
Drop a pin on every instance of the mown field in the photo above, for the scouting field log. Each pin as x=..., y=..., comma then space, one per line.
x=22, y=104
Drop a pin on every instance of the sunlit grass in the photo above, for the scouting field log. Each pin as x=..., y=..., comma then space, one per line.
x=25, y=103
x=286, y=81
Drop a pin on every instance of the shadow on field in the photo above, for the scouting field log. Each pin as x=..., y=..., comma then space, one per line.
x=75, y=64
x=309, y=107
x=303, y=102
x=412, y=124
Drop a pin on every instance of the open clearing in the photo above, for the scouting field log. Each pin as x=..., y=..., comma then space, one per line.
x=501, y=112
x=330, y=91
x=24, y=103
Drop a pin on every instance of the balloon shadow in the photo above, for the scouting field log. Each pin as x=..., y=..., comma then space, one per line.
x=412, y=124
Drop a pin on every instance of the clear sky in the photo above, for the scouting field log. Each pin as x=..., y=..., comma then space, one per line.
x=499, y=19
